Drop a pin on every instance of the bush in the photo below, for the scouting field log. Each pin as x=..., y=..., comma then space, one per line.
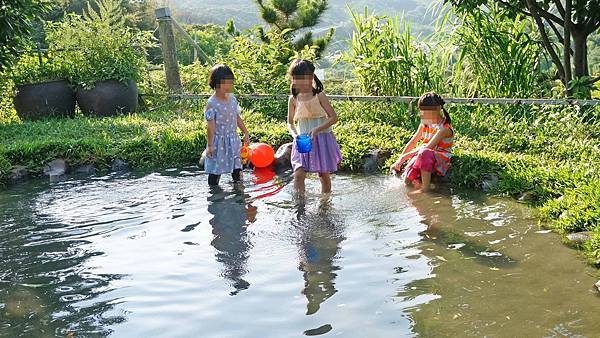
x=29, y=70
x=577, y=209
x=5, y=168
x=498, y=56
x=100, y=46
x=388, y=60
x=16, y=24
x=194, y=78
x=212, y=39
x=261, y=67
x=7, y=109
x=592, y=247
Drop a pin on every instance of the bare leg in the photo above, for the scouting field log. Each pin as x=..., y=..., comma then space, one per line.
x=299, y=177
x=325, y=183
x=425, y=180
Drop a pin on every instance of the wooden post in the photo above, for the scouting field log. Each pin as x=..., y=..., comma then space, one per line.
x=185, y=34
x=39, y=53
x=169, y=50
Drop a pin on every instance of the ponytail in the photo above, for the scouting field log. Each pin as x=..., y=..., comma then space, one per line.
x=446, y=115
x=441, y=101
x=293, y=90
x=318, y=88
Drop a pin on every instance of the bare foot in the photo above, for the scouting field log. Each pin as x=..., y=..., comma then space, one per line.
x=416, y=192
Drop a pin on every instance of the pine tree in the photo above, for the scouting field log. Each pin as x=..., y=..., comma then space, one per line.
x=291, y=16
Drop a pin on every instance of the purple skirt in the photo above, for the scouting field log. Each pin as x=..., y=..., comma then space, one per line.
x=324, y=157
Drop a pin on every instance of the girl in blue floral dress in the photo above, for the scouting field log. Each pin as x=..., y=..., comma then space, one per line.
x=222, y=114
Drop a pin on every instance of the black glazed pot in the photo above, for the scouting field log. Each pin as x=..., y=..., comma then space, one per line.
x=108, y=98
x=46, y=99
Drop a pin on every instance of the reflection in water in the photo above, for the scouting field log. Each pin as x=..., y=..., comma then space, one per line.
x=41, y=277
x=231, y=216
x=320, y=236
x=112, y=257
x=437, y=212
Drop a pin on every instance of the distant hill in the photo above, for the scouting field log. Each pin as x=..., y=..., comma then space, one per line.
x=245, y=14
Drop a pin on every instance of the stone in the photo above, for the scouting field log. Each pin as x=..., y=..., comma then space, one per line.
x=283, y=157
x=526, y=197
x=374, y=160
x=119, y=165
x=579, y=238
x=86, y=169
x=597, y=264
x=56, y=168
x=490, y=182
x=19, y=173
x=597, y=285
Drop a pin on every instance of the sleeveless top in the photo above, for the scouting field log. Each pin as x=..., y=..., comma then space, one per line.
x=443, y=150
x=310, y=114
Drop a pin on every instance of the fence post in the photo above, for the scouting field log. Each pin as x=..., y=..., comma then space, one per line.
x=169, y=50
x=39, y=53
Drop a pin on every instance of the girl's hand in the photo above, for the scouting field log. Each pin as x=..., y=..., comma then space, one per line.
x=209, y=151
x=313, y=133
x=397, y=166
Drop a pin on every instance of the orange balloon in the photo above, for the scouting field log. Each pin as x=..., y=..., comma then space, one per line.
x=263, y=175
x=261, y=155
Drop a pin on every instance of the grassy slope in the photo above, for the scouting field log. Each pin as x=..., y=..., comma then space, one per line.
x=553, y=156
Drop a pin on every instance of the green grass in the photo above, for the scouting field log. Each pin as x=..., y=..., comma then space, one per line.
x=551, y=154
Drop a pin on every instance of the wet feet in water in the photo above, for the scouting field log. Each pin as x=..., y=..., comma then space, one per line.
x=416, y=192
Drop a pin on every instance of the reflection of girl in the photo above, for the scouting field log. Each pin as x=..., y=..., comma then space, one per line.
x=231, y=215
x=319, y=244
x=436, y=216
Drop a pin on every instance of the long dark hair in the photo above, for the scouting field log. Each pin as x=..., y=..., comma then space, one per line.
x=432, y=99
x=301, y=67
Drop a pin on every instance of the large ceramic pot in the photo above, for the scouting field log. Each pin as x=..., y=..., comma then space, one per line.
x=108, y=98
x=46, y=99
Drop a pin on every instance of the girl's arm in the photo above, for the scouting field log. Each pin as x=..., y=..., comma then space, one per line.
x=331, y=114
x=242, y=126
x=412, y=143
x=211, y=126
x=409, y=150
x=290, y=119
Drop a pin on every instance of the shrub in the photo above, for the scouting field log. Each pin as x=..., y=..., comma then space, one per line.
x=30, y=70
x=498, y=56
x=388, y=60
x=100, y=46
x=5, y=167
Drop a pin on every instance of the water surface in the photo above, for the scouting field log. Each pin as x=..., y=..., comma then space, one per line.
x=161, y=255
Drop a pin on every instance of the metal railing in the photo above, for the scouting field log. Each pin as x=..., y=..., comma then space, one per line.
x=405, y=99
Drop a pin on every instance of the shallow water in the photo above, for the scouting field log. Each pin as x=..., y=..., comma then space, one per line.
x=159, y=255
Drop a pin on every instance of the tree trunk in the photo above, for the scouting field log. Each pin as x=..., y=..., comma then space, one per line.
x=580, y=61
x=567, y=47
